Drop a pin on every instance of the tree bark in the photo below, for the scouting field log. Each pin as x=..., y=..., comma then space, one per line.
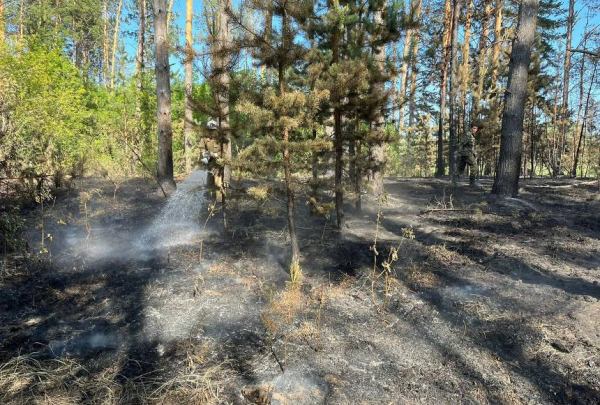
x=338, y=138
x=222, y=65
x=188, y=130
x=406, y=54
x=105, y=62
x=139, y=81
x=482, y=53
x=163, y=96
x=580, y=104
x=378, y=150
x=582, y=129
x=440, y=169
x=286, y=159
x=564, y=113
x=115, y=43
x=506, y=182
x=465, y=71
x=453, y=86
x=169, y=14
x=268, y=32
x=497, y=41
x=414, y=71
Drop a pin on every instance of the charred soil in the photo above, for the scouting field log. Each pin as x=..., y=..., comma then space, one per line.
x=462, y=299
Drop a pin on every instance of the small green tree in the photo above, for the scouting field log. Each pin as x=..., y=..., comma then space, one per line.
x=282, y=117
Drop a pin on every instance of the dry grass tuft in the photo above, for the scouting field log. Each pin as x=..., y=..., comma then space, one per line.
x=221, y=269
x=420, y=277
x=197, y=386
x=283, y=310
x=344, y=287
x=441, y=254
x=27, y=379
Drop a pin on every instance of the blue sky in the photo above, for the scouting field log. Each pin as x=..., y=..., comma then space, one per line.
x=178, y=19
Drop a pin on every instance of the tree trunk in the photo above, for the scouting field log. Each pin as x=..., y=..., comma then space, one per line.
x=286, y=160
x=378, y=150
x=139, y=56
x=440, y=169
x=564, y=113
x=357, y=180
x=497, y=41
x=105, y=63
x=139, y=81
x=506, y=182
x=338, y=140
x=268, y=32
x=188, y=131
x=453, y=86
x=414, y=71
x=464, y=71
x=554, y=147
x=482, y=52
x=169, y=14
x=115, y=43
x=585, y=116
x=401, y=97
x=163, y=96
x=580, y=98
x=532, y=143
x=222, y=64
x=315, y=162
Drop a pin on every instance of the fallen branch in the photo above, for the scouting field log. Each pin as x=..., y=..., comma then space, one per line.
x=446, y=209
x=583, y=183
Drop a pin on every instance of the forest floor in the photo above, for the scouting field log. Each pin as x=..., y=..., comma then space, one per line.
x=488, y=301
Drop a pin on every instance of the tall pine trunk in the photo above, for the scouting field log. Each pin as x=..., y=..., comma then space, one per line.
x=585, y=116
x=338, y=137
x=440, y=167
x=268, y=15
x=506, y=182
x=105, y=52
x=406, y=54
x=414, y=71
x=378, y=150
x=163, y=96
x=188, y=130
x=223, y=62
x=139, y=59
x=139, y=84
x=497, y=42
x=465, y=76
x=482, y=53
x=115, y=43
x=564, y=111
x=453, y=86
x=287, y=171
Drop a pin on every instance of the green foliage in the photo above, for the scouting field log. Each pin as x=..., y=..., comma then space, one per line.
x=46, y=105
x=11, y=228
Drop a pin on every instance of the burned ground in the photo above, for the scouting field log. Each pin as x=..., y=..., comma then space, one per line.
x=489, y=302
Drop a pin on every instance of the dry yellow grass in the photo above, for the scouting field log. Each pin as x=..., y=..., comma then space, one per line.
x=28, y=380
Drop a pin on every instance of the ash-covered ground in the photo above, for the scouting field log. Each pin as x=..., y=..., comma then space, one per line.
x=142, y=299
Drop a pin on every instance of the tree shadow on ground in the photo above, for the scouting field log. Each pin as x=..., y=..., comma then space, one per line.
x=507, y=339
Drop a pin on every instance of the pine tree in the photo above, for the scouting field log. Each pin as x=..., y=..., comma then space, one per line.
x=506, y=182
x=283, y=115
x=163, y=95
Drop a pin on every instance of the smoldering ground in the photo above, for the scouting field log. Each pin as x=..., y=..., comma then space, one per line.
x=489, y=303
